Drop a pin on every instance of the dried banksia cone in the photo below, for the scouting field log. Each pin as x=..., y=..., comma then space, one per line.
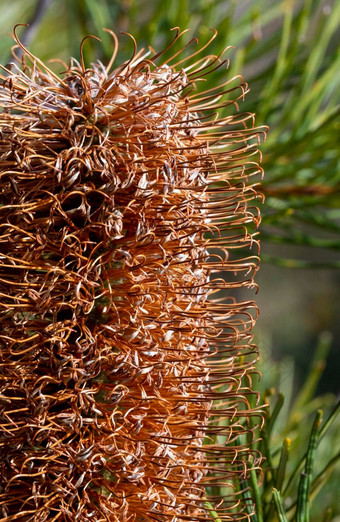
x=126, y=359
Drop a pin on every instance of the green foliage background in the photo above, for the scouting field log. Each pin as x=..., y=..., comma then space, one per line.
x=289, y=53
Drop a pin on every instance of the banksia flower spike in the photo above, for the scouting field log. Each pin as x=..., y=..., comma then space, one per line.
x=126, y=359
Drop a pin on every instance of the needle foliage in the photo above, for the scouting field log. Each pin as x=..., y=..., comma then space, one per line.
x=289, y=53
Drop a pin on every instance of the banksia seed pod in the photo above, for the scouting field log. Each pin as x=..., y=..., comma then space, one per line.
x=125, y=370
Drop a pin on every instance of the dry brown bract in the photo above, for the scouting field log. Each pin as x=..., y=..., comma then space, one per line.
x=124, y=200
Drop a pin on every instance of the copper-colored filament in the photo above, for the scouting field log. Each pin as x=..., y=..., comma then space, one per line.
x=126, y=359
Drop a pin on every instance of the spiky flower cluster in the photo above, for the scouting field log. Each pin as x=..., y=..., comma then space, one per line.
x=125, y=367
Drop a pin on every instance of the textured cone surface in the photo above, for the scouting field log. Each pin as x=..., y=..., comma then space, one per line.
x=125, y=366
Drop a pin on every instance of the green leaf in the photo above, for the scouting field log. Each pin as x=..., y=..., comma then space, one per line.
x=303, y=501
x=257, y=496
x=212, y=511
x=279, y=506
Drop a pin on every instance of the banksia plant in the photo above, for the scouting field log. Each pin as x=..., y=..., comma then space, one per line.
x=126, y=229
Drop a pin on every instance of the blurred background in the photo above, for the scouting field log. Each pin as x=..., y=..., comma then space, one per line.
x=289, y=53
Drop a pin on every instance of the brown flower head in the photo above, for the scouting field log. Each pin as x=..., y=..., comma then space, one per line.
x=125, y=366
